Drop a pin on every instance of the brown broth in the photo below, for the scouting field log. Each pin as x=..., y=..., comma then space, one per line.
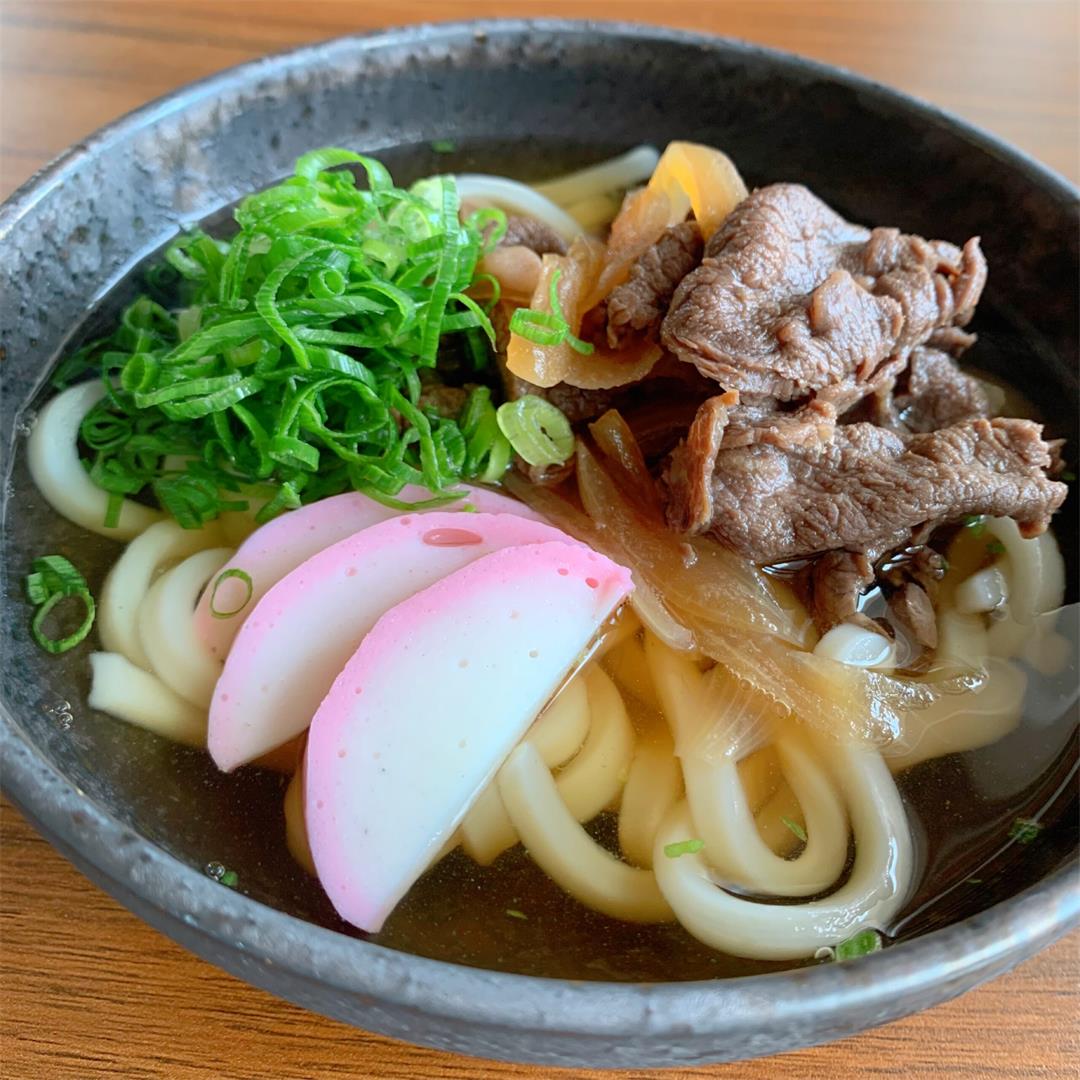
x=961, y=806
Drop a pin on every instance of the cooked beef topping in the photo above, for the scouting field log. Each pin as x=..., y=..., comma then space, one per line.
x=534, y=234
x=867, y=489
x=831, y=585
x=637, y=305
x=791, y=299
x=920, y=564
x=936, y=393
x=932, y=392
x=914, y=610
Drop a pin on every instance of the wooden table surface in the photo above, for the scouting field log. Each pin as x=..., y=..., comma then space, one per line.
x=86, y=989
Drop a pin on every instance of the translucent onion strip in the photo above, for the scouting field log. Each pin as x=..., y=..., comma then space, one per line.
x=53, y=458
x=566, y=853
x=879, y=883
x=653, y=786
x=132, y=575
x=559, y=731
x=625, y=171
x=125, y=691
x=167, y=627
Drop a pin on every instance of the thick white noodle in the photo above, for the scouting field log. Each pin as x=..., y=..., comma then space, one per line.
x=625, y=171
x=627, y=666
x=167, y=631
x=558, y=733
x=125, y=691
x=652, y=788
x=1035, y=572
x=596, y=212
x=856, y=646
x=296, y=837
x=717, y=723
x=735, y=848
x=594, y=777
x=479, y=189
x=132, y=575
x=957, y=722
x=879, y=883
x=53, y=458
x=566, y=852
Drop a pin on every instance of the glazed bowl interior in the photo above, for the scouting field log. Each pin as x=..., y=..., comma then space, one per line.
x=145, y=818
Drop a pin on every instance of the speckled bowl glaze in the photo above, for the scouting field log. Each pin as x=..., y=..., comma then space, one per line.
x=134, y=815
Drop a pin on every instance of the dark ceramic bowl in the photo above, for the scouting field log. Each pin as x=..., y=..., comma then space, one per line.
x=142, y=818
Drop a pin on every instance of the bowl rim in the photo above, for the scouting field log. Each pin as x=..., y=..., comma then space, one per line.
x=132, y=866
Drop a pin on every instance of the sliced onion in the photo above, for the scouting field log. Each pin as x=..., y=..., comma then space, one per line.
x=546, y=365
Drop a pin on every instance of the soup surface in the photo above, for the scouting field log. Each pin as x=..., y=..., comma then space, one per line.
x=511, y=916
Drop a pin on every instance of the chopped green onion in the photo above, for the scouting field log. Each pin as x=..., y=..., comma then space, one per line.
x=861, y=944
x=52, y=580
x=443, y=146
x=240, y=575
x=683, y=847
x=1024, y=830
x=995, y=547
x=548, y=328
x=293, y=357
x=795, y=827
x=1068, y=476
x=230, y=878
x=975, y=522
x=537, y=430
x=515, y=914
x=974, y=881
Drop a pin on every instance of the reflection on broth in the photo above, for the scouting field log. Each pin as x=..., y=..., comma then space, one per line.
x=740, y=661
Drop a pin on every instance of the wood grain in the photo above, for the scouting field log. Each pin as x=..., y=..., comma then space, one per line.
x=86, y=989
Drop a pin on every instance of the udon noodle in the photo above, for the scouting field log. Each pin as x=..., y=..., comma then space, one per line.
x=742, y=768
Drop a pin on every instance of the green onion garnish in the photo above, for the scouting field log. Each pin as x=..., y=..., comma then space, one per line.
x=443, y=146
x=683, y=847
x=230, y=878
x=995, y=547
x=861, y=944
x=975, y=522
x=537, y=430
x=240, y=575
x=515, y=914
x=795, y=827
x=548, y=327
x=52, y=580
x=1068, y=476
x=290, y=366
x=1024, y=830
